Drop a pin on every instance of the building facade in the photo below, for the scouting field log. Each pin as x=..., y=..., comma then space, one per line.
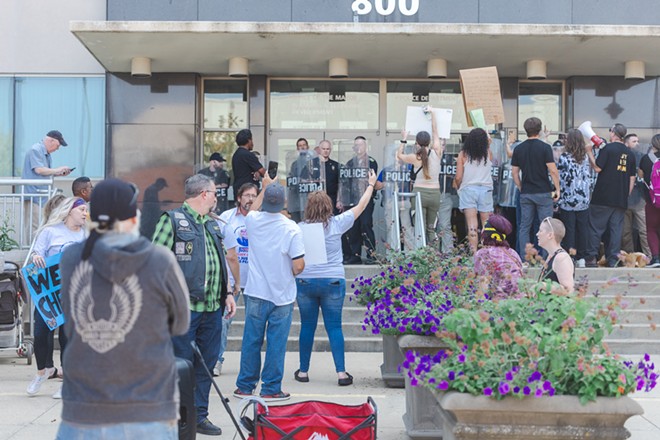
x=216, y=66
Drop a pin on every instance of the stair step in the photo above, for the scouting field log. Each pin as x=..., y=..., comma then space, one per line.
x=351, y=344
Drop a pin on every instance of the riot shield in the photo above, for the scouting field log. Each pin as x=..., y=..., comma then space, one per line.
x=498, y=153
x=221, y=180
x=353, y=172
x=304, y=176
x=397, y=186
x=507, y=188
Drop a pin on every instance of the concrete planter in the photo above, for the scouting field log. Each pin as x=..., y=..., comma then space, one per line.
x=548, y=418
x=423, y=417
x=392, y=359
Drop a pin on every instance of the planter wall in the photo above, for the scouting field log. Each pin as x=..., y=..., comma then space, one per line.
x=549, y=418
x=392, y=359
x=423, y=417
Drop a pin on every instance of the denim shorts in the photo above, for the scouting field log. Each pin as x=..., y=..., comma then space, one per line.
x=476, y=197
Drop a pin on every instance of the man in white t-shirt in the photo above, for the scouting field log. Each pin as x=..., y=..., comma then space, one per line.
x=276, y=257
x=232, y=224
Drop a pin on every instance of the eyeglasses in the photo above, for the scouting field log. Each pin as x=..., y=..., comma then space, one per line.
x=547, y=220
x=211, y=191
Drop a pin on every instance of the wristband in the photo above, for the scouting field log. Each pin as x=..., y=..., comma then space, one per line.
x=403, y=142
x=372, y=185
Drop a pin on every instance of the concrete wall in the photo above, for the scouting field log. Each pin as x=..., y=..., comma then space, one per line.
x=635, y=12
x=35, y=37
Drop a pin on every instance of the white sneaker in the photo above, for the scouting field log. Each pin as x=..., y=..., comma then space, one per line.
x=58, y=393
x=35, y=385
x=581, y=264
x=217, y=369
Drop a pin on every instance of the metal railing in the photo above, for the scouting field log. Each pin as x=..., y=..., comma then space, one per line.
x=21, y=210
x=396, y=234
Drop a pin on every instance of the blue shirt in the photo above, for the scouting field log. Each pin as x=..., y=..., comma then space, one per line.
x=36, y=157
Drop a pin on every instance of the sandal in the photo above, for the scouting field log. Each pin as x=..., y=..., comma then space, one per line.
x=300, y=378
x=348, y=380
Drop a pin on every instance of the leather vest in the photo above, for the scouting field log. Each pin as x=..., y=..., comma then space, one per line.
x=189, y=250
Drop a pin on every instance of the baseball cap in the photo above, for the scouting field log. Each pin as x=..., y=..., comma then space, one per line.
x=57, y=135
x=217, y=156
x=273, y=198
x=113, y=200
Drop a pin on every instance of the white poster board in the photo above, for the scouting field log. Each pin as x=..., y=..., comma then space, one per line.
x=314, y=240
x=417, y=120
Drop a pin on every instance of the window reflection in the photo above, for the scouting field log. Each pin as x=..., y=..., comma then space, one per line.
x=225, y=104
x=543, y=100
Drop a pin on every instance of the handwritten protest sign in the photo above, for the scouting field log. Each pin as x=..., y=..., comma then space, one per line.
x=44, y=286
x=417, y=120
x=481, y=90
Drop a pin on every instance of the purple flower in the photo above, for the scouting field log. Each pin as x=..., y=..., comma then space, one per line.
x=451, y=375
x=443, y=385
x=509, y=376
x=527, y=391
x=516, y=390
x=488, y=391
x=535, y=376
x=414, y=382
x=461, y=358
x=547, y=385
x=539, y=392
x=504, y=388
x=551, y=392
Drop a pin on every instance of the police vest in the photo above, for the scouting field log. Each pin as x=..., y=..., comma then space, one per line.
x=190, y=251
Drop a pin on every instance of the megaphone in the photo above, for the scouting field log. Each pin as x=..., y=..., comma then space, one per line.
x=589, y=133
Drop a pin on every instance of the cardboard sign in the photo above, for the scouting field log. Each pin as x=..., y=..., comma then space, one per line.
x=44, y=286
x=481, y=90
x=417, y=120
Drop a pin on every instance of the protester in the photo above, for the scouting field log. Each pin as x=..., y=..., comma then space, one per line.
x=616, y=170
x=124, y=299
x=51, y=205
x=498, y=266
x=232, y=224
x=575, y=182
x=276, y=257
x=324, y=285
x=82, y=187
x=635, y=217
x=245, y=165
x=196, y=241
x=474, y=181
x=39, y=165
x=427, y=160
x=534, y=159
x=558, y=267
x=652, y=210
x=64, y=228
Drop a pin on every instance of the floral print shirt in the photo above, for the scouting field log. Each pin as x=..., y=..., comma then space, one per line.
x=575, y=182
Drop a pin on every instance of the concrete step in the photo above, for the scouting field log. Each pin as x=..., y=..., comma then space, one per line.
x=350, y=329
x=351, y=344
x=635, y=347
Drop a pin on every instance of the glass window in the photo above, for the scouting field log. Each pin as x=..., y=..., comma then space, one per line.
x=74, y=106
x=325, y=105
x=6, y=124
x=225, y=104
x=543, y=100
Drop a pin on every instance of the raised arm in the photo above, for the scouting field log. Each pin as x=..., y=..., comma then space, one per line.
x=436, y=144
x=364, y=200
x=256, y=205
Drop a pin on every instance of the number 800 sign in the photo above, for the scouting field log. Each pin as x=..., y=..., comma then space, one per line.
x=386, y=7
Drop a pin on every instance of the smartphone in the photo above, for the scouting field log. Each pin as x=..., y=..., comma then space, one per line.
x=72, y=169
x=272, y=169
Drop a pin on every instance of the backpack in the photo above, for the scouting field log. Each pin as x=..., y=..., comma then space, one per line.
x=654, y=187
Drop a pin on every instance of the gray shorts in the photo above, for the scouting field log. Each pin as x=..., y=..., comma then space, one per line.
x=476, y=197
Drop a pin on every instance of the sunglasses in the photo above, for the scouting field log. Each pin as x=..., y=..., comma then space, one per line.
x=547, y=220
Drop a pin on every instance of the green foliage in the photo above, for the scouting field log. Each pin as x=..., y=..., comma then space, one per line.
x=7, y=243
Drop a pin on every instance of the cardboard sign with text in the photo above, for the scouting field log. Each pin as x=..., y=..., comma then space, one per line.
x=481, y=90
x=44, y=286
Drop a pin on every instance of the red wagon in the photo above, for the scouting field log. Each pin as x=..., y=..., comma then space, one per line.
x=313, y=420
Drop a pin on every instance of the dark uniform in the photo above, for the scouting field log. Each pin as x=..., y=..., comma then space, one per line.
x=362, y=232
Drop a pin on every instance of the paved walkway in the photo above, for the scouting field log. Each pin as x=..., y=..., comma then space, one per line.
x=28, y=418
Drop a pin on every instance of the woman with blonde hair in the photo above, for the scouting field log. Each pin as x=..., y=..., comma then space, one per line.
x=65, y=226
x=324, y=285
x=558, y=267
x=426, y=169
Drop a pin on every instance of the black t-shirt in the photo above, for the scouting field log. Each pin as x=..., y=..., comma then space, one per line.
x=617, y=164
x=219, y=176
x=331, y=178
x=646, y=165
x=244, y=163
x=532, y=157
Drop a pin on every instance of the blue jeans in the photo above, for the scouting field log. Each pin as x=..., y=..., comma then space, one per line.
x=205, y=329
x=328, y=294
x=226, y=323
x=125, y=431
x=532, y=206
x=263, y=318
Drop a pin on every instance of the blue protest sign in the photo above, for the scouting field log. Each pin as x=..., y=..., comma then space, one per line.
x=44, y=286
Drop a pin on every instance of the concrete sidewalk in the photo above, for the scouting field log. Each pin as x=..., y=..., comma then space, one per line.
x=28, y=418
